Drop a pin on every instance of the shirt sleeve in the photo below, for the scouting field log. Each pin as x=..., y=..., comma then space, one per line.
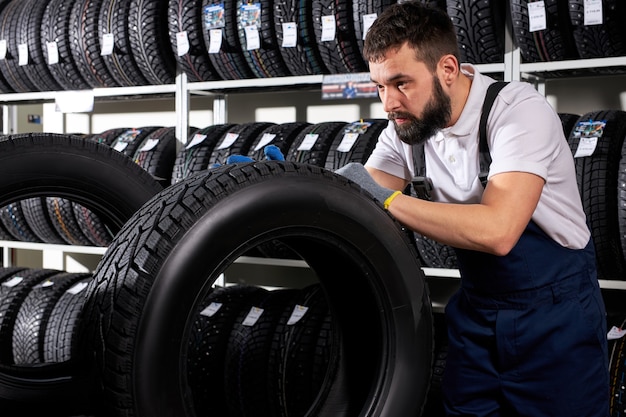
x=527, y=134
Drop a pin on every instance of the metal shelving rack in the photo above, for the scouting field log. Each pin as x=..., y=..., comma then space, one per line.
x=443, y=281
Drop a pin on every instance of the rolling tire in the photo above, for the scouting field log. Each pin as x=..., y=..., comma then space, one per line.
x=149, y=284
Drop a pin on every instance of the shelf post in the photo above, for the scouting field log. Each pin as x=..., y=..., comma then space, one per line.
x=182, y=109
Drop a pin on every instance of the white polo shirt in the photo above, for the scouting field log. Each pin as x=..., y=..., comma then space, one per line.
x=525, y=134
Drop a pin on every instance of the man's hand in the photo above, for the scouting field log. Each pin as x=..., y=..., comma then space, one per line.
x=357, y=173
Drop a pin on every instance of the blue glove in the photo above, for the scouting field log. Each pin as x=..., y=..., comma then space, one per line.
x=272, y=153
x=357, y=173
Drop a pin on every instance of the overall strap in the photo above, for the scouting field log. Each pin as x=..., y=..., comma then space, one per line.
x=422, y=185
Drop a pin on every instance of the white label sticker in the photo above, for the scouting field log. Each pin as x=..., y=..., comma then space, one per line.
x=13, y=282
x=3, y=48
x=22, y=50
x=211, y=309
x=253, y=41
x=297, y=314
x=308, y=142
x=253, y=316
x=593, y=12
x=348, y=140
x=229, y=139
x=120, y=146
x=586, y=147
x=108, y=43
x=265, y=139
x=78, y=287
x=215, y=41
x=328, y=28
x=149, y=145
x=196, y=140
x=53, y=52
x=616, y=333
x=182, y=43
x=290, y=35
x=536, y=16
x=368, y=20
x=47, y=283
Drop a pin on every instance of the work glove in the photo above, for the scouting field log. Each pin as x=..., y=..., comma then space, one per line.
x=272, y=153
x=357, y=173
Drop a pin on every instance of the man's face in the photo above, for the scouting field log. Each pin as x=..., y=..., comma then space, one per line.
x=411, y=95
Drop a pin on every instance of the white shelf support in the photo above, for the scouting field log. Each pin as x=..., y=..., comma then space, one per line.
x=182, y=109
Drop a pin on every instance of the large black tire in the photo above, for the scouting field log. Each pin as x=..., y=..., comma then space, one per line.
x=341, y=54
x=266, y=60
x=229, y=61
x=186, y=16
x=597, y=177
x=150, y=42
x=149, y=284
x=304, y=58
x=85, y=43
x=113, y=19
x=106, y=182
x=57, y=30
x=555, y=43
x=602, y=40
x=479, y=27
x=13, y=72
x=354, y=143
x=31, y=20
x=195, y=156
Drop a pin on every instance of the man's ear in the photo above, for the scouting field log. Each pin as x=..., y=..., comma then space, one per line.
x=448, y=69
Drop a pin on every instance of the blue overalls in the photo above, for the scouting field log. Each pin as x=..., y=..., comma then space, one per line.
x=527, y=333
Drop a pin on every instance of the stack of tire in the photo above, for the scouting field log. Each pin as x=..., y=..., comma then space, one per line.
x=83, y=44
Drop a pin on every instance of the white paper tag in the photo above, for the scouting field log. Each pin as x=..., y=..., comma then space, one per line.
x=328, y=28
x=593, y=12
x=182, y=43
x=586, y=147
x=197, y=139
x=22, y=50
x=3, y=48
x=368, y=20
x=12, y=282
x=78, y=287
x=53, y=52
x=229, y=139
x=215, y=41
x=308, y=142
x=149, y=145
x=47, y=283
x=290, y=35
x=211, y=309
x=616, y=333
x=253, y=316
x=537, y=16
x=348, y=140
x=120, y=146
x=297, y=314
x=253, y=41
x=265, y=139
x=108, y=43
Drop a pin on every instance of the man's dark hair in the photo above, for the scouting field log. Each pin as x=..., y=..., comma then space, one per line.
x=427, y=30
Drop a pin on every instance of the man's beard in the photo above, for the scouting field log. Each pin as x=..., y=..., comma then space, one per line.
x=435, y=117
